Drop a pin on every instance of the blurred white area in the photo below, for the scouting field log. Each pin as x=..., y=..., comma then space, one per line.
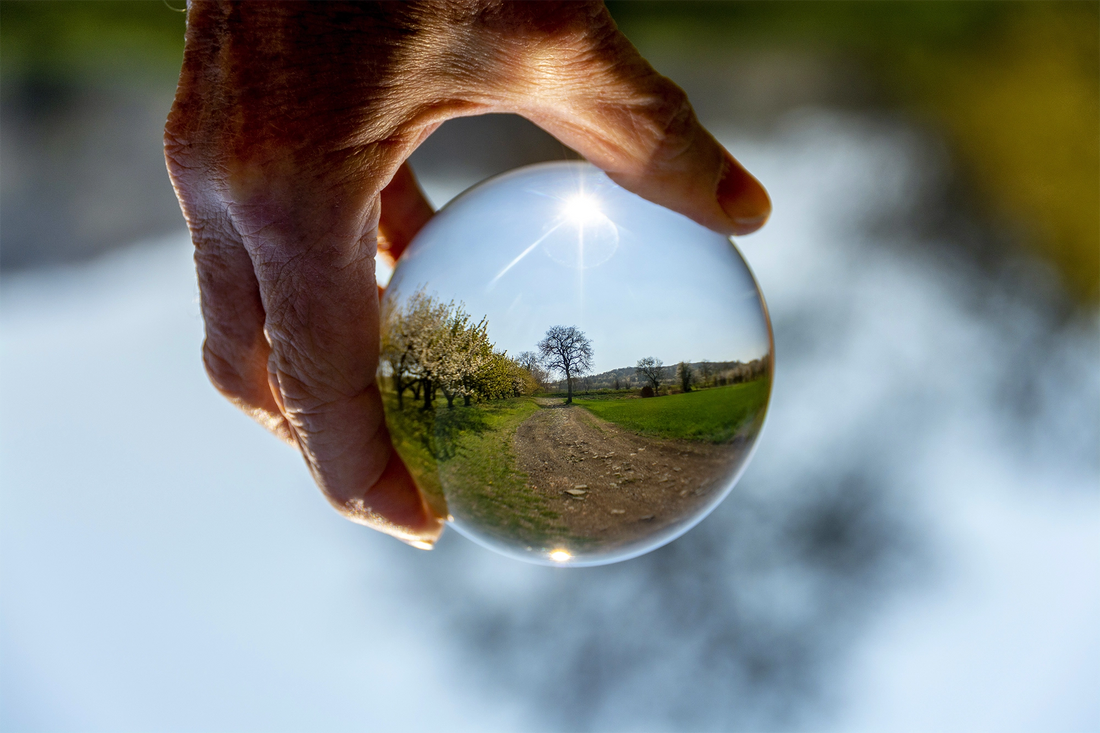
x=1005, y=635
x=167, y=565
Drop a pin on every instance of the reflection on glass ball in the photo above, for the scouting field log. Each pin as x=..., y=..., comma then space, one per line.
x=572, y=374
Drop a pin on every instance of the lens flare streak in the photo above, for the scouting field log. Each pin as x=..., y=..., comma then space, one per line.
x=524, y=253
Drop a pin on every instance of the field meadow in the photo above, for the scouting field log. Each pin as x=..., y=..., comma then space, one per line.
x=463, y=458
x=713, y=415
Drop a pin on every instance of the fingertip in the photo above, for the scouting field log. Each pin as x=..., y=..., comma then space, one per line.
x=422, y=525
x=743, y=199
x=395, y=506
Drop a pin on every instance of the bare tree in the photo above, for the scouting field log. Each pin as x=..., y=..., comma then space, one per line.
x=683, y=371
x=650, y=368
x=567, y=351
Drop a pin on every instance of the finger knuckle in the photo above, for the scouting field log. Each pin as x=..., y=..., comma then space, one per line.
x=667, y=122
x=179, y=157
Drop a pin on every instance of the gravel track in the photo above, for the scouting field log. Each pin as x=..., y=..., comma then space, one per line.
x=611, y=484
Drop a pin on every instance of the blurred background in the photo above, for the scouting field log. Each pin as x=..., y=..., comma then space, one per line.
x=916, y=545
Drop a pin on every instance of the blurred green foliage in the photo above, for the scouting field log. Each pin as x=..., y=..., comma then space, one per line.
x=702, y=28
x=1014, y=86
x=1022, y=107
x=91, y=42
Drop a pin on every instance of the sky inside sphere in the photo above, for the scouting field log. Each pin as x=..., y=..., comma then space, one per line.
x=560, y=244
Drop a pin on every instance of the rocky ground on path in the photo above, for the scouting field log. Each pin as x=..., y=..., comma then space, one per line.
x=612, y=485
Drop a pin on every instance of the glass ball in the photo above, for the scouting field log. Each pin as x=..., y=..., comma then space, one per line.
x=572, y=374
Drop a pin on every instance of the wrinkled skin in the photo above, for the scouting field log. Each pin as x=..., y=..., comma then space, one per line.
x=287, y=145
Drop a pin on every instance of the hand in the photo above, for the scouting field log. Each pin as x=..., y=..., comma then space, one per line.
x=287, y=143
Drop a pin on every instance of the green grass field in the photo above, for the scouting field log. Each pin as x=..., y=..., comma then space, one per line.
x=464, y=462
x=712, y=415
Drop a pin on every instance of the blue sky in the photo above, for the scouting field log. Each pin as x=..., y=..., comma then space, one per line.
x=561, y=244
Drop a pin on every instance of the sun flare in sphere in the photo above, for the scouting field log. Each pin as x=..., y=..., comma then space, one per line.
x=560, y=556
x=582, y=209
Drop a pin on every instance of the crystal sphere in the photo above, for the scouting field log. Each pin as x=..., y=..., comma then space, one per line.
x=572, y=374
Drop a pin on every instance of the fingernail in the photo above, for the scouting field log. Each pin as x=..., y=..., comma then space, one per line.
x=420, y=544
x=742, y=198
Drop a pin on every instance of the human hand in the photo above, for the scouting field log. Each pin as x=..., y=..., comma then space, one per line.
x=287, y=143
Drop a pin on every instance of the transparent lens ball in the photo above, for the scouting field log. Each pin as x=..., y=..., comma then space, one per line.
x=572, y=374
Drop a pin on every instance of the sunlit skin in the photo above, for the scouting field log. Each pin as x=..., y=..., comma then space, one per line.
x=287, y=145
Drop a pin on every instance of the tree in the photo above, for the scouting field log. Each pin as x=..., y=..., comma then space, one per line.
x=523, y=380
x=650, y=369
x=529, y=360
x=465, y=351
x=429, y=345
x=568, y=351
x=683, y=371
x=395, y=353
x=706, y=369
x=411, y=343
x=430, y=325
x=496, y=379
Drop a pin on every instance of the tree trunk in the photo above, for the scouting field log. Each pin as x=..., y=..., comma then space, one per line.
x=429, y=393
x=400, y=387
x=450, y=398
x=466, y=399
x=568, y=387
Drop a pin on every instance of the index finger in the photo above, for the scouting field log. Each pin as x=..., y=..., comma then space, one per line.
x=313, y=253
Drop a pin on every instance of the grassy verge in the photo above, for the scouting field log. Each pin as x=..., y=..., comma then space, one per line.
x=464, y=462
x=712, y=415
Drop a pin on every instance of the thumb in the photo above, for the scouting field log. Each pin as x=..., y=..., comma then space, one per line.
x=606, y=102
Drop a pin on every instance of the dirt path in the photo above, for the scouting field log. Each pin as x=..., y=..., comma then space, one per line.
x=608, y=483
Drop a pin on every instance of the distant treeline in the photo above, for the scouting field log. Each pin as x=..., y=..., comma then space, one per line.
x=704, y=374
